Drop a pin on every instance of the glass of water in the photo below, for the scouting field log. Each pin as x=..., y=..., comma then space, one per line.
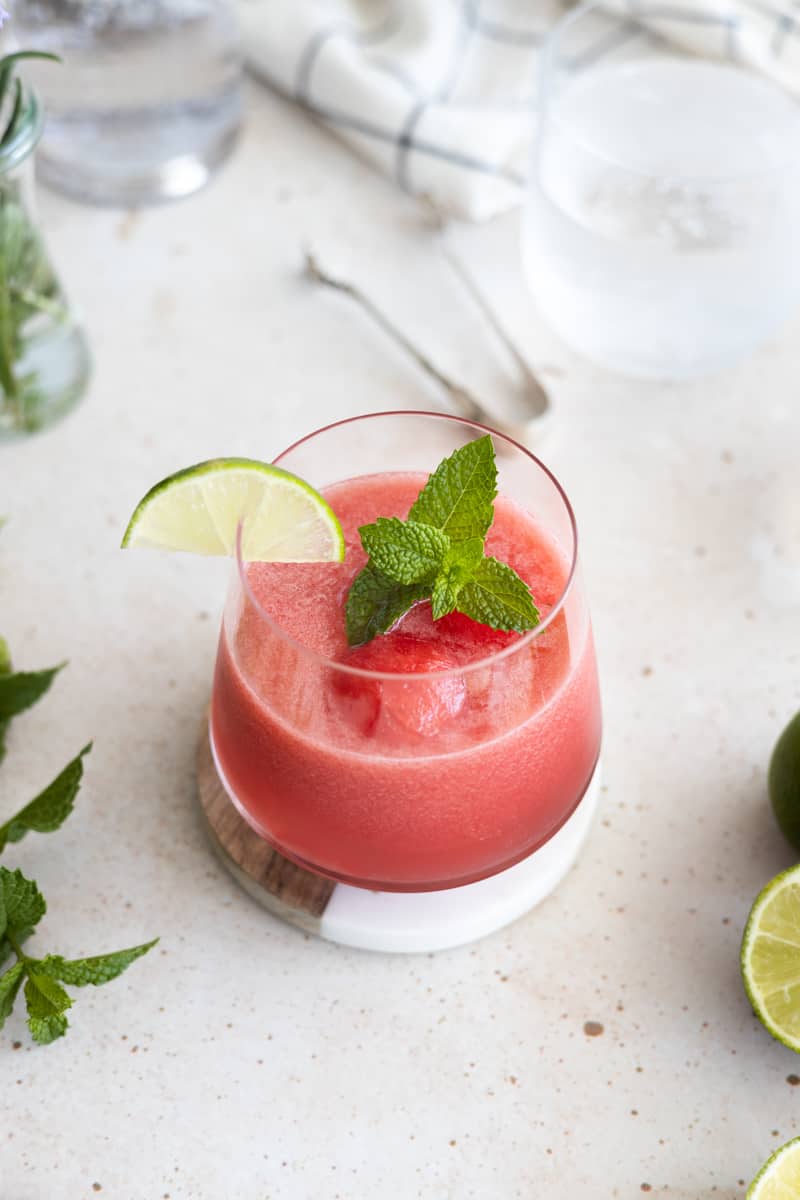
x=661, y=232
x=146, y=102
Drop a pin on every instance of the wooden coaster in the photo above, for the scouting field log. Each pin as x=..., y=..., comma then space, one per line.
x=297, y=896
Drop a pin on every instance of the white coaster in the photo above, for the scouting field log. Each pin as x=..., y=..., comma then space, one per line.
x=412, y=922
x=394, y=922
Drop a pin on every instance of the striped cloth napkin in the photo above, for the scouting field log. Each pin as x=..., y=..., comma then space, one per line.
x=441, y=95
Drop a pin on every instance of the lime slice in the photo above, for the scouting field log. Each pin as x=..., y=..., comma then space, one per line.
x=199, y=509
x=779, y=1178
x=784, y=782
x=770, y=958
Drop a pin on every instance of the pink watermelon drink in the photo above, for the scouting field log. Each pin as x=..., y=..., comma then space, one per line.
x=441, y=751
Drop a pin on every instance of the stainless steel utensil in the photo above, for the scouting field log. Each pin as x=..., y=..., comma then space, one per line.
x=464, y=403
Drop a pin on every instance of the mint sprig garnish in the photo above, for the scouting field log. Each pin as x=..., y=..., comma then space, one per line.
x=404, y=551
x=456, y=569
x=459, y=496
x=496, y=596
x=375, y=603
x=439, y=554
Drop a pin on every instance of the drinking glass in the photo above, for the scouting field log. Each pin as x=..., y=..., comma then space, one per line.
x=147, y=100
x=660, y=230
x=411, y=780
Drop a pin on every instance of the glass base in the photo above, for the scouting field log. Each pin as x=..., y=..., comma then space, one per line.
x=124, y=162
x=392, y=922
x=420, y=922
x=671, y=369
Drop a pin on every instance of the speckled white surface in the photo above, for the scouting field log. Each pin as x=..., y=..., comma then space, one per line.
x=241, y=1060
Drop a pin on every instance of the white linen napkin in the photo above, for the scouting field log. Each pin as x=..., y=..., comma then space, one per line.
x=440, y=95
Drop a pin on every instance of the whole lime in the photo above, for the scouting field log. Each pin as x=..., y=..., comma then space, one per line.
x=783, y=782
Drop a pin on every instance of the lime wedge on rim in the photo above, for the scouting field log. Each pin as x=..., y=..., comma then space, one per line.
x=770, y=958
x=199, y=510
x=779, y=1178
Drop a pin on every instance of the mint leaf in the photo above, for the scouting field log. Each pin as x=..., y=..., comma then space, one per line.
x=404, y=551
x=444, y=596
x=5, y=669
x=498, y=597
x=47, y=811
x=375, y=604
x=9, y=986
x=438, y=553
x=22, y=905
x=20, y=689
x=47, y=1002
x=459, y=564
x=459, y=496
x=100, y=969
x=6, y=948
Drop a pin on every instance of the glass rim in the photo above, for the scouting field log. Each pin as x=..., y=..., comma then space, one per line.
x=550, y=70
x=27, y=137
x=524, y=640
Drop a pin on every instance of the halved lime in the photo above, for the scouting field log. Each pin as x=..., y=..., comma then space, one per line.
x=770, y=958
x=779, y=1178
x=199, y=509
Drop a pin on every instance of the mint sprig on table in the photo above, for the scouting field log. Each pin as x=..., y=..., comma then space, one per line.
x=22, y=905
x=438, y=553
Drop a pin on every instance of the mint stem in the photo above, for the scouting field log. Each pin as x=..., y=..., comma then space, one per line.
x=15, y=946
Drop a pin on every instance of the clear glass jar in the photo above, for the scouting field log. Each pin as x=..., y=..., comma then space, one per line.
x=147, y=100
x=44, y=359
